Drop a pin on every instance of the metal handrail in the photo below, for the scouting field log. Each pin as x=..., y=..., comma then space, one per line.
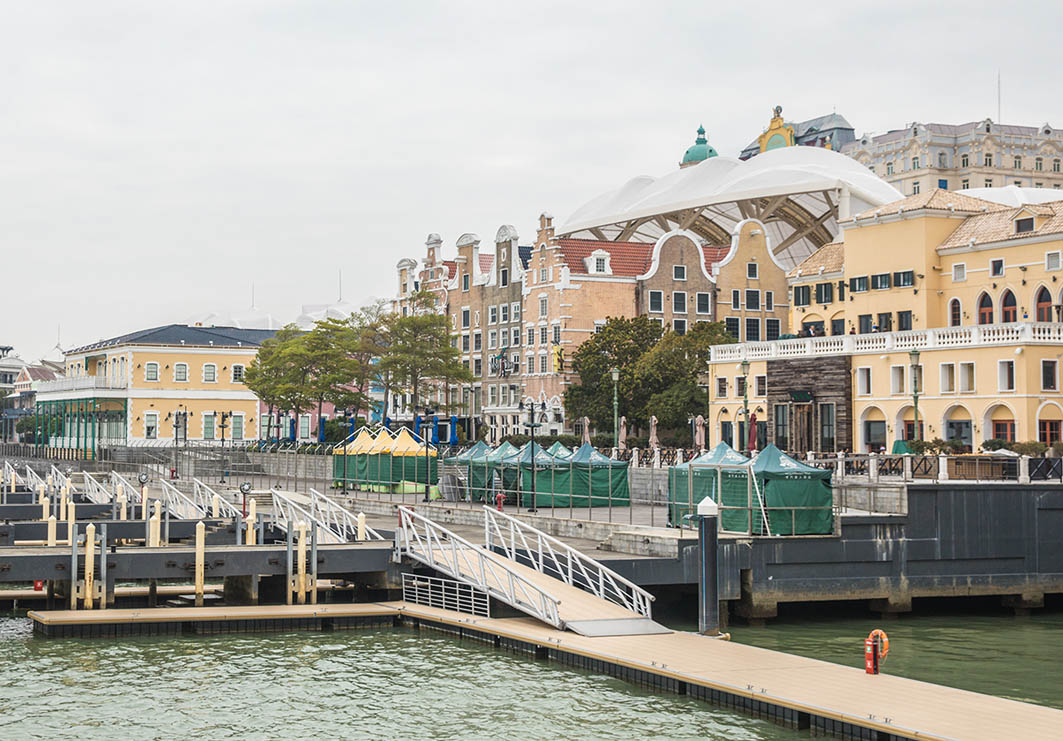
x=33, y=479
x=337, y=518
x=445, y=594
x=61, y=479
x=435, y=546
x=178, y=503
x=287, y=512
x=96, y=492
x=203, y=498
x=550, y=556
x=10, y=474
x=132, y=493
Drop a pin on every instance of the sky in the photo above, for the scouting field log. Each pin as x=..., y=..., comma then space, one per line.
x=158, y=159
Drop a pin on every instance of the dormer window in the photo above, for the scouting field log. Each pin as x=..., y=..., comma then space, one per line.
x=679, y=272
x=1024, y=225
x=599, y=264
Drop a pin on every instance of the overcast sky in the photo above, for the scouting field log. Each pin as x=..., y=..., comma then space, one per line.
x=157, y=158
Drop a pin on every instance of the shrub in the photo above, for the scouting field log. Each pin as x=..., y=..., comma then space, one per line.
x=995, y=444
x=1031, y=448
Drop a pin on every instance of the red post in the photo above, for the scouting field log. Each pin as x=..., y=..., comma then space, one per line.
x=38, y=585
x=500, y=499
x=871, y=655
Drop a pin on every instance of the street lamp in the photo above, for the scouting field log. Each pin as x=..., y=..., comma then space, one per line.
x=427, y=466
x=913, y=356
x=615, y=373
x=531, y=424
x=743, y=444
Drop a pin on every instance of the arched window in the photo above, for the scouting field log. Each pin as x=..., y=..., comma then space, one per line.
x=1044, y=305
x=955, y=316
x=985, y=309
x=1009, y=312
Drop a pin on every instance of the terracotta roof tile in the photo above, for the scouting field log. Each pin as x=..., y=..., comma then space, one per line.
x=486, y=263
x=829, y=257
x=934, y=200
x=713, y=255
x=997, y=226
x=628, y=259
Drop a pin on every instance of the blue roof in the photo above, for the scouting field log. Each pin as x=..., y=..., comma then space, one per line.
x=183, y=334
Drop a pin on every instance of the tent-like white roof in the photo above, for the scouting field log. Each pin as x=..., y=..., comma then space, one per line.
x=1013, y=195
x=798, y=192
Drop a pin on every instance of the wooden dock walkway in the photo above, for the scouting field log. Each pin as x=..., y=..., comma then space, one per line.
x=799, y=692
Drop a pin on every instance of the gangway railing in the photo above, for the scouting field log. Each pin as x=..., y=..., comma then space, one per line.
x=288, y=513
x=61, y=479
x=433, y=545
x=331, y=514
x=33, y=479
x=179, y=505
x=96, y=492
x=445, y=594
x=203, y=498
x=131, y=491
x=10, y=474
x=548, y=555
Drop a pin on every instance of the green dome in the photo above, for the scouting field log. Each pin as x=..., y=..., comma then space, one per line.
x=700, y=150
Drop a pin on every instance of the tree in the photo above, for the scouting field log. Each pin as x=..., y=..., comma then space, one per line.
x=372, y=324
x=280, y=371
x=331, y=346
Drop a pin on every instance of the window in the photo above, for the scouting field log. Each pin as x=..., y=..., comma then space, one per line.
x=965, y=184
x=731, y=325
x=955, y=313
x=238, y=427
x=557, y=334
x=465, y=282
x=465, y=343
x=1048, y=431
x=736, y=299
x=542, y=275
x=752, y=329
x=151, y=371
x=837, y=326
x=959, y=272
x=826, y=427
x=503, y=277
x=1052, y=260
x=656, y=301
x=1022, y=226
x=703, y=306
x=180, y=372
x=987, y=160
x=1004, y=429
x=904, y=279
x=210, y=373
x=1049, y=375
x=516, y=311
x=1005, y=375
x=304, y=426
x=599, y=264
x=238, y=374
x=904, y=320
x=752, y=271
x=752, y=299
x=679, y=302
x=151, y=425
x=965, y=160
x=760, y=385
x=988, y=182
x=885, y=322
x=858, y=285
x=492, y=314
x=542, y=335
x=542, y=364
x=915, y=188
x=824, y=293
x=863, y=381
x=769, y=301
x=503, y=312
x=771, y=329
x=1008, y=310
x=941, y=160
x=996, y=268
x=1016, y=163
x=1044, y=305
x=897, y=379
x=947, y=378
x=492, y=395
x=515, y=342
x=967, y=378
x=679, y=272
x=492, y=339
x=531, y=336
x=880, y=281
x=1055, y=165
x=782, y=426
x=514, y=369
x=679, y=326
x=208, y=426
x=542, y=306
x=740, y=385
x=889, y=168
x=863, y=323
x=477, y=367
x=1038, y=164
x=915, y=163
x=465, y=318
x=985, y=309
x=721, y=388
x=801, y=295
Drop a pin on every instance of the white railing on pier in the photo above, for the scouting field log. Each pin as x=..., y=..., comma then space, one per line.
x=33, y=479
x=179, y=505
x=288, y=513
x=433, y=545
x=131, y=492
x=10, y=474
x=548, y=555
x=96, y=492
x=340, y=520
x=203, y=498
x=445, y=594
x=60, y=479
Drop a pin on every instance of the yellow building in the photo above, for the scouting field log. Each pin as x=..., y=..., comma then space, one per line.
x=157, y=384
x=961, y=292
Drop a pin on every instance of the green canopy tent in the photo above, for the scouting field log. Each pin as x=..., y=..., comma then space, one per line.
x=900, y=447
x=798, y=498
x=558, y=450
x=482, y=468
x=690, y=482
x=516, y=471
x=465, y=461
x=597, y=480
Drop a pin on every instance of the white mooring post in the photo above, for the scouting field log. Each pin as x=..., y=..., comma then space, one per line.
x=51, y=530
x=201, y=532
x=90, y=564
x=301, y=564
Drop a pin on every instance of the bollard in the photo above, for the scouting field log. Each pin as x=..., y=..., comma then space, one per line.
x=153, y=531
x=252, y=520
x=90, y=563
x=289, y=584
x=361, y=526
x=104, y=602
x=201, y=533
x=51, y=530
x=121, y=507
x=215, y=506
x=70, y=511
x=74, y=568
x=118, y=493
x=44, y=507
x=71, y=519
x=62, y=503
x=313, y=564
x=708, y=585
x=301, y=559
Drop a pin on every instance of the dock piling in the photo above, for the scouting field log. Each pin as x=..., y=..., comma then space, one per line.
x=201, y=532
x=45, y=505
x=121, y=505
x=71, y=521
x=289, y=584
x=73, y=567
x=361, y=527
x=90, y=564
x=708, y=587
x=105, y=602
x=313, y=564
x=51, y=530
x=301, y=560
x=215, y=506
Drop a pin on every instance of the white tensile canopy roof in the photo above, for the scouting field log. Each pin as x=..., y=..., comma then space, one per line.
x=798, y=192
x=1013, y=195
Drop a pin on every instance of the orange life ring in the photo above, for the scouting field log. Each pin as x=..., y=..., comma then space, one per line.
x=883, y=642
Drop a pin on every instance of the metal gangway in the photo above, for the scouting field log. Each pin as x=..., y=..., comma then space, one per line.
x=33, y=479
x=208, y=500
x=288, y=513
x=10, y=475
x=525, y=544
x=332, y=515
x=96, y=492
x=130, y=491
x=178, y=504
x=433, y=545
x=61, y=480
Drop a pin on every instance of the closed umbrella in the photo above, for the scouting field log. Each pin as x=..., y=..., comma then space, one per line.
x=586, y=430
x=654, y=442
x=699, y=432
x=417, y=425
x=453, y=429
x=621, y=441
x=435, y=430
x=753, y=431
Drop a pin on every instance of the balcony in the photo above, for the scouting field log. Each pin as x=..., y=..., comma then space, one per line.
x=81, y=383
x=944, y=338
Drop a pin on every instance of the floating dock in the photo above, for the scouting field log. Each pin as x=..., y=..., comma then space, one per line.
x=793, y=691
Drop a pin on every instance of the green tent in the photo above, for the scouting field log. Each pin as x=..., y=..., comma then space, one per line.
x=558, y=450
x=688, y=484
x=516, y=470
x=482, y=467
x=787, y=483
x=469, y=460
x=597, y=480
x=900, y=447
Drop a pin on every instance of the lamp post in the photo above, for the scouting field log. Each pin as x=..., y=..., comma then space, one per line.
x=427, y=468
x=346, y=442
x=532, y=424
x=615, y=373
x=744, y=442
x=224, y=423
x=913, y=356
